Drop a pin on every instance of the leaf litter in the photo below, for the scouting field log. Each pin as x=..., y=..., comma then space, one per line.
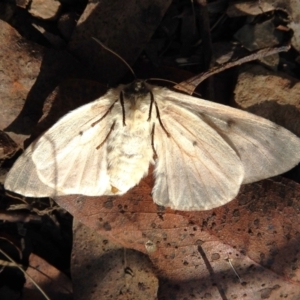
x=185, y=254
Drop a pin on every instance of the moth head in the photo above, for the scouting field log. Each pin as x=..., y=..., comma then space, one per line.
x=137, y=88
x=136, y=92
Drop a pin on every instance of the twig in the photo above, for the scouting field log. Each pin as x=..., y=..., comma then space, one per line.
x=190, y=85
x=19, y=217
x=235, y=272
x=26, y=275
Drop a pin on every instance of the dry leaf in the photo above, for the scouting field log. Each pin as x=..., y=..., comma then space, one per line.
x=102, y=269
x=259, y=232
x=52, y=281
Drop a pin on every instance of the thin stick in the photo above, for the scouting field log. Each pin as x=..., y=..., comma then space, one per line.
x=19, y=217
x=27, y=275
x=190, y=85
x=235, y=272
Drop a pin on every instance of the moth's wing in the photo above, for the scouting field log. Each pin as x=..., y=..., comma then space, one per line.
x=195, y=169
x=265, y=148
x=23, y=178
x=65, y=159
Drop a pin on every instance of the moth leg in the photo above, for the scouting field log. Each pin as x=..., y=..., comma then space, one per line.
x=123, y=107
x=108, y=111
x=152, y=142
x=157, y=115
x=159, y=120
x=110, y=131
x=151, y=105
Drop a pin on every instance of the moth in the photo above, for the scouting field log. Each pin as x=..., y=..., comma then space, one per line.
x=202, y=151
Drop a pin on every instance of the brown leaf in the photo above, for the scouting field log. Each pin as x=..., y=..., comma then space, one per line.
x=53, y=282
x=20, y=63
x=70, y=94
x=7, y=146
x=270, y=95
x=102, y=269
x=29, y=74
x=258, y=231
x=125, y=29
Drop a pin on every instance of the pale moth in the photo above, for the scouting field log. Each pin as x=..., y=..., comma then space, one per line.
x=202, y=151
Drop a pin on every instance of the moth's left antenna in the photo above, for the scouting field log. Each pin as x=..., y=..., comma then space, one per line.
x=116, y=54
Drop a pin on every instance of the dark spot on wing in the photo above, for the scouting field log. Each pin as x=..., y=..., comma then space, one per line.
x=80, y=132
x=277, y=128
x=109, y=148
x=194, y=143
x=129, y=155
x=230, y=123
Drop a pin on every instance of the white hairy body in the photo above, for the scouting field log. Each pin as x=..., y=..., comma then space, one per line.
x=205, y=151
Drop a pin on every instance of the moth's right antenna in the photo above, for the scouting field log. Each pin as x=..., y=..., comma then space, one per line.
x=116, y=54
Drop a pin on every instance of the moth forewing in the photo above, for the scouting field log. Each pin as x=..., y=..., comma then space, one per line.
x=65, y=153
x=265, y=148
x=91, y=151
x=202, y=151
x=23, y=178
x=193, y=163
